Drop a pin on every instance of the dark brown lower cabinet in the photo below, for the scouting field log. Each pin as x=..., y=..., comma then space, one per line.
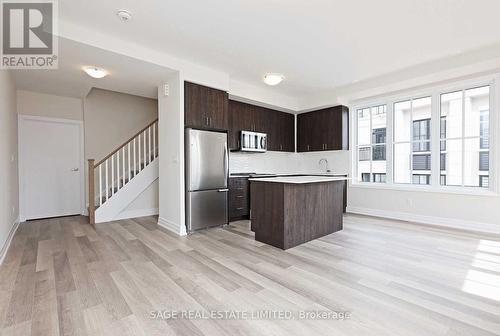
x=285, y=215
x=239, y=198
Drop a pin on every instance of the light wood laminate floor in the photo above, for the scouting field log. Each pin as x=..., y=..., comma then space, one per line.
x=65, y=277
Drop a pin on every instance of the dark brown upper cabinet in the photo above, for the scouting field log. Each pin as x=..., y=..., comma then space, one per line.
x=205, y=107
x=279, y=126
x=326, y=129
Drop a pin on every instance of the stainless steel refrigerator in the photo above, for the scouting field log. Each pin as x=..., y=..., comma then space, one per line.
x=207, y=172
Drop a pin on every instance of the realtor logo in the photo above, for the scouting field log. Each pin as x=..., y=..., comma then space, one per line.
x=28, y=35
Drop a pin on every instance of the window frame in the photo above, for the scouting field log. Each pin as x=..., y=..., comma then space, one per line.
x=371, y=145
x=434, y=92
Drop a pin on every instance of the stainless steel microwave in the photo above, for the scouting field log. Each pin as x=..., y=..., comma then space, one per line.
x=253, y=142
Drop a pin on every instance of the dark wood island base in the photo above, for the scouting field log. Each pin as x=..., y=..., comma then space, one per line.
x=285, y=215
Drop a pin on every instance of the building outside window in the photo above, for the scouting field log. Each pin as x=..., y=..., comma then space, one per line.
x=461, y=138
x=371, y=139
x=421, y=179
x=412, y=141
x=466, y=138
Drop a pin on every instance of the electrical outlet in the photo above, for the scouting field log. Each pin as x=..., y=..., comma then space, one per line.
x=166, y=90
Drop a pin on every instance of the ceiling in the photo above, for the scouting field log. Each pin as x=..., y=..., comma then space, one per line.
x=316, y=44
x=126, y=74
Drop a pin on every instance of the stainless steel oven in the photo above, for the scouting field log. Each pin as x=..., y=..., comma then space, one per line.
x=253, y=141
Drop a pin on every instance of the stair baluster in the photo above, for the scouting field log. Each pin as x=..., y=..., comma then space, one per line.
x=134, y=155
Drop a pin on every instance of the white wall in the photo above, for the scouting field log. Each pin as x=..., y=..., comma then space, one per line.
x=171, y=156
x=110, y=119
x=50, y=106
x=9, y=192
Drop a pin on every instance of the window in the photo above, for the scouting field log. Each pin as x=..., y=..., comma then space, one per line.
x=372, y=137
x=484, y=181
x=378, y=135
x=421, y=131
x=379, y=153
x=364, y=153
x=422, y=162
x=465, y=140
x=412, y=139
x=484, y=129
x=421, y=179
x=484, y=161
x=441, y=138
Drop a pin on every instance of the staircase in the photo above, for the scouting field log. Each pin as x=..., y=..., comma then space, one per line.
x=119, y=178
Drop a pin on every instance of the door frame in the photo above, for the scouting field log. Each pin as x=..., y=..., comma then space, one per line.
x=22, y=119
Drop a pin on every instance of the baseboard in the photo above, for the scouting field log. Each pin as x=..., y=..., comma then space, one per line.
x=428, y=220
x=173, y=227
x=6, y=245
x=137, y=213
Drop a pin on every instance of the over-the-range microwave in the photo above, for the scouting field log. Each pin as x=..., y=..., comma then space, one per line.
x=253, y=142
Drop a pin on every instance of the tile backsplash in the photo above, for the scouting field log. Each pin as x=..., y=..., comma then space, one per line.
x=279, y=162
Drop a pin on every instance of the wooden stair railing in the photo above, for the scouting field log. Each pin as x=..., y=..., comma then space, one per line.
x=120, y=166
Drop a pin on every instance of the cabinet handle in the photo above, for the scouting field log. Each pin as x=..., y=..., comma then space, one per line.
x=239, y=196
x=239, y=208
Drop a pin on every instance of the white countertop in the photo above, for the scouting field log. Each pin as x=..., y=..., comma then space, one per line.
x=293, y=174
x=300, y=179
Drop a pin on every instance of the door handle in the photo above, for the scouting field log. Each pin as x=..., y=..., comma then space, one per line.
x=75, y=169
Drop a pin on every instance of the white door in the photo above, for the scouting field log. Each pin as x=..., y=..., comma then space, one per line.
x=50, y=167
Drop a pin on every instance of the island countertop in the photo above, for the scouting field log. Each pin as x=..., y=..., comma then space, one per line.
x=300, y=179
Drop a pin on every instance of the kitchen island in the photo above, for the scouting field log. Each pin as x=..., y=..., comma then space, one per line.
x=289, y=211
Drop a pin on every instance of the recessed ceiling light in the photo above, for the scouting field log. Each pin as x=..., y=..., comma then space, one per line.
x=273, y=78
x=124, y=15
x=95, y=72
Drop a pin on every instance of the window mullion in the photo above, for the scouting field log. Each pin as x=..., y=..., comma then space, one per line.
x=389, y=142
x=371, y=144
x=463, y=137
x=435, y=139
x=411, y=141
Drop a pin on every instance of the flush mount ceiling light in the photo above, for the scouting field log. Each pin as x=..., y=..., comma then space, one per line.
x=95, y=72
x=124, y=15
x=273, y=78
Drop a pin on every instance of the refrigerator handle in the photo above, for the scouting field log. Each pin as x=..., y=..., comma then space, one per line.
x=226, y=162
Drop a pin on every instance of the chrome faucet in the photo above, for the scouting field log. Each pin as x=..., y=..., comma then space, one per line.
x=325, y=161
